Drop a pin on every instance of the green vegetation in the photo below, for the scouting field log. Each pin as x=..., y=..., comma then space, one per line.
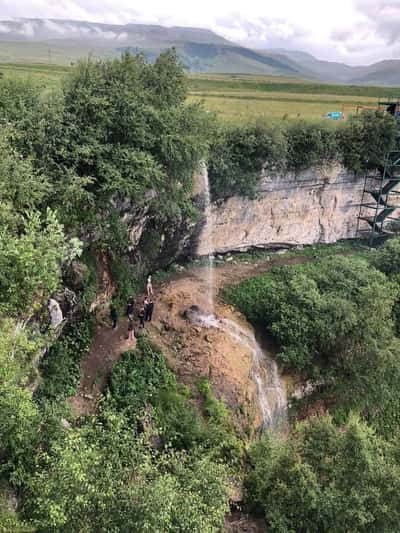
x=117, y=140
x=334, y=321
x=325, y=478
x=115, y=137
x=60, y=367
x=103, y=477
x=141, y=379
x=239, y=153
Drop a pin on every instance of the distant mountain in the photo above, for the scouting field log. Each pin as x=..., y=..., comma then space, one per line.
x=200, y=50
x=385, y=73
x=382, y=73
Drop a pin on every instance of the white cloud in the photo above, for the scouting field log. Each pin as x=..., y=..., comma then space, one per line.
x=355, y=31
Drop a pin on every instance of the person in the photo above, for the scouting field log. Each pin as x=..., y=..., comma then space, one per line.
x=141, y=317
x=149, y=310
x=113, y=316
x=149, y=286
x=131, y=330
x=145, y=307
x=130, y=309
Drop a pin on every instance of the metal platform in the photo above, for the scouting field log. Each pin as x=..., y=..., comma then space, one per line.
x=380, y=202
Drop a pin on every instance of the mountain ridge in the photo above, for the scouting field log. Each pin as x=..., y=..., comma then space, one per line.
x=200, y=49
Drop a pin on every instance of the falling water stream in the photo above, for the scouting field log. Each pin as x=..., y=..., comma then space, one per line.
x=207, y=236
x=270, y=391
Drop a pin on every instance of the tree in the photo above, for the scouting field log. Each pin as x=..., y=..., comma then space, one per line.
x=30, y=262
x=120, y=131
x=367, y=139
x=326, y=478
x=103, y=478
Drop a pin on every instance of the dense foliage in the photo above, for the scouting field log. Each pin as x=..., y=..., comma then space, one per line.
x=60, y=367
x=120, y=130
x=333, y=321
x=326, y=478
x=321, y=312
x=238, y=154
x=142, y=386
x=104, y=478
x=118, y=137
x=119, y=142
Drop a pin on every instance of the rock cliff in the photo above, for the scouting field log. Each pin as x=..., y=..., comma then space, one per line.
x=318, y=205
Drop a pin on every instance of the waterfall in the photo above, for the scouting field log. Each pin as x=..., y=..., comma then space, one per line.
x=207, y=236
x=270, y=391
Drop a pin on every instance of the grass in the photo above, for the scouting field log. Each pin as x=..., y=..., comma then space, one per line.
x=239, y=98
x=50, y=75
x=249, y=98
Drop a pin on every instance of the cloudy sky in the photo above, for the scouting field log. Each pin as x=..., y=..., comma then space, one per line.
x=354, y=31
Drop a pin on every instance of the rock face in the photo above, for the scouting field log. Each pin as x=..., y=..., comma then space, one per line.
x=56, y=315
x=316, y=206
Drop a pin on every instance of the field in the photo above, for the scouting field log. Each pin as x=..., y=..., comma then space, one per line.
x=241, y=98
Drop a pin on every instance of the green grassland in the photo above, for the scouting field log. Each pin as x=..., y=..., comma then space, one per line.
x=238, y=98
x=247, y=98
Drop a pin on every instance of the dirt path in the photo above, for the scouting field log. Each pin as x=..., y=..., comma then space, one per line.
x=106, y=348
x=191, y=351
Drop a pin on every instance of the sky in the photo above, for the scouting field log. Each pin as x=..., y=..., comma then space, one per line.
x=353, y=31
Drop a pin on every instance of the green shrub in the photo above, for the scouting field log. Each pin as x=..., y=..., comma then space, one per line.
x=387, y=260
x=326, y=478
x=366, y=140
x=138, y=378
x=103, y=478
x=310, y=144
x=142, y=378
x=238, y=154
x=19, y=433
x=60, y=367
x=320, y=312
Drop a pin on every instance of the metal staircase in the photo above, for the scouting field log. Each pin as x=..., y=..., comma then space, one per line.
x=380, y=202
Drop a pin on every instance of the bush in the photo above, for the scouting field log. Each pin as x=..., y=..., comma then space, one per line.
x=326, y=478
x=366, y=140
x=387, y=260
x=142, y=378
x=138, y=378
x=321, y=313
x=103, y=478
x=310, y=144
x=60, y=367
x=237, y=155
x=19, y=433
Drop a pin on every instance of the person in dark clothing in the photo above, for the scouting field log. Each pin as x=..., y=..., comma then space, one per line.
x=146, y=306
x=141, y=317
x=130, y=309
x=131, y=330
x=113, y=316
x=149, y=310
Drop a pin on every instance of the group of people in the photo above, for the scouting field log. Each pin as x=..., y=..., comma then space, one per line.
x=145, y=313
